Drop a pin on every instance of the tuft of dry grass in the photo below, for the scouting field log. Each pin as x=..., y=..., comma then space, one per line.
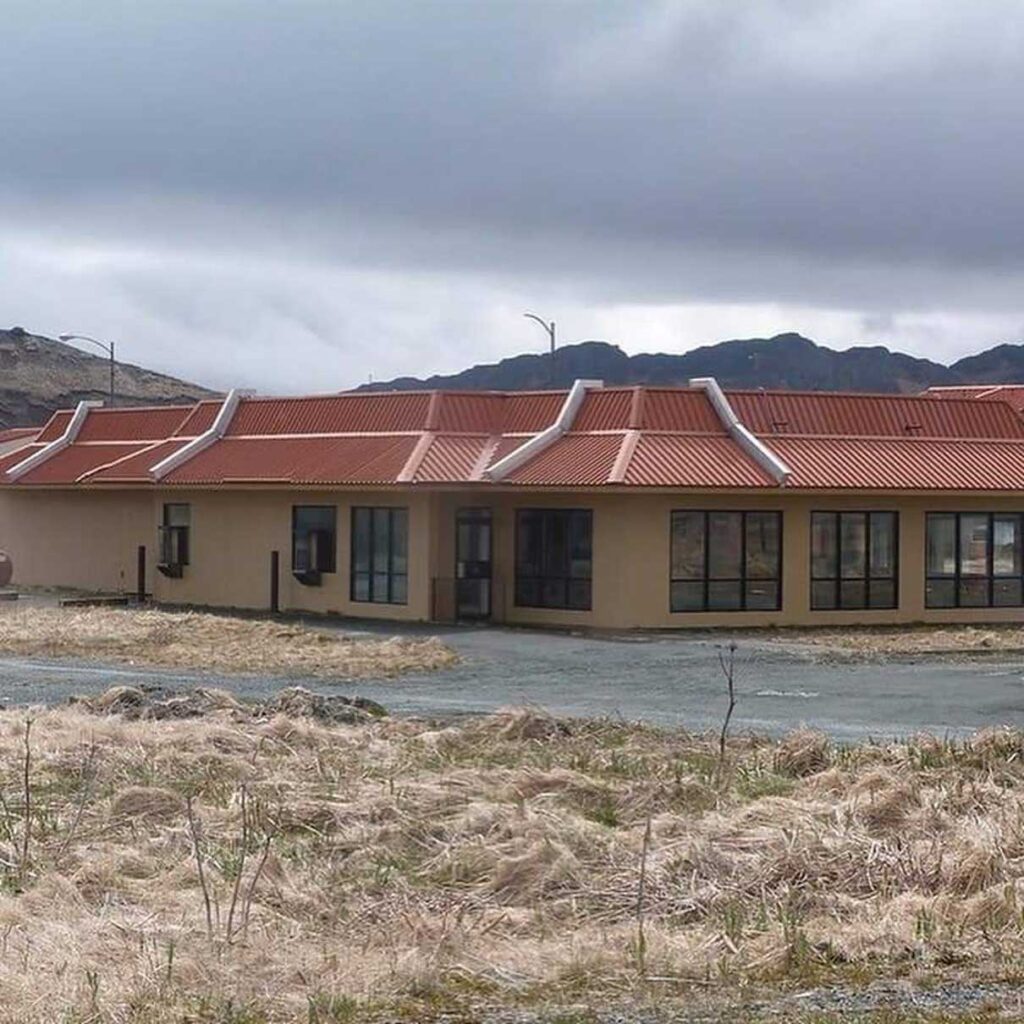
x=219, y=643
x=227, y=868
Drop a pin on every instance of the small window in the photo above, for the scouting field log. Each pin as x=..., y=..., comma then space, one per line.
x=554, y=558
x=314, y=541
x=726, y=561
x=974, y=560
x=380, y=555
x=853, y=560
x=174, y=539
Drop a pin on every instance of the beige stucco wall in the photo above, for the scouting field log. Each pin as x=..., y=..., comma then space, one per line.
x=75, y=539
x=89, y=539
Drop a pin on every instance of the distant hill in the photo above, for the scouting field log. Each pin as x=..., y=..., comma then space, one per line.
x=785, y=361
x=38, y=375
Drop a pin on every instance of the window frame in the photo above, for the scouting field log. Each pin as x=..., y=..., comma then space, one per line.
x=743, y=579
x=391, y=575
x=567, y=578
x=990, y=577
x=868, y=576
x=182, y=532
x=314, y=572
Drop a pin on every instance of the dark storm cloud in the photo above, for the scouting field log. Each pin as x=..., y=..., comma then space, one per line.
x=864, y=156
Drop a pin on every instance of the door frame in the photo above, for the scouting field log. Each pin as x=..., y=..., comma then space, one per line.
x=480, y=511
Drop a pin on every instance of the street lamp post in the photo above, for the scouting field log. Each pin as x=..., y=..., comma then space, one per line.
x=550, y=330
x=106, y=346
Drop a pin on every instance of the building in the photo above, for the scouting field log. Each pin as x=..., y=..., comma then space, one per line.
x=615, y=507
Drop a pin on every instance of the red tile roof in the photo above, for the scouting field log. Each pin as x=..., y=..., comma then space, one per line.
x=772, y=413
x=1012, y=394
x=619, y=437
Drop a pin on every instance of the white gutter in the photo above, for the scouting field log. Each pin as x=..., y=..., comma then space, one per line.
x=754, y=447
x=217, y=430
x=58, y=444
x=546, y=437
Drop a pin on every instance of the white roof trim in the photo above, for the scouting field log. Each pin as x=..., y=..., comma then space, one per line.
x=753, y=446
x=71, y=431
x=217, y=430
x=511, y=462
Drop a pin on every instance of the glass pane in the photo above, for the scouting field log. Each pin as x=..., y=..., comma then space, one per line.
x=941, y=546
x=579, y=594
x=528, y=543
x=177, y=515
x=724, y=596
x=762, y=545
x=883, y=544
x=1007, y=593
x=687, y=597
x=724, y=545
x=579, y=544
x=380, y=587
x=1006, y=539
x=882, y=594
x=973, y=593
x=381, y=542
x=361, y=587
x=556, y=544
x=823, y=594
x=527, y=592
x=940, y=594
x=399, y=588
x=399, y=540
x=823, y=545
x=687, y=545
x=763, y=595
x=361, y=540
x=853, y=545
x=974, y=544
x=553, y=592
x=852, y=594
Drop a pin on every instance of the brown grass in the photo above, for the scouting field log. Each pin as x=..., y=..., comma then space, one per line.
x=216, y=643
x=412, y=868
x=871, y=642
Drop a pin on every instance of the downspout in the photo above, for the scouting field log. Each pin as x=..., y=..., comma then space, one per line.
x=753, y=446
x=217, y=430
x=58, y=444
x=511, y=462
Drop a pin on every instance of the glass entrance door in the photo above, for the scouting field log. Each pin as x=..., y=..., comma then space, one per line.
x=473, y=563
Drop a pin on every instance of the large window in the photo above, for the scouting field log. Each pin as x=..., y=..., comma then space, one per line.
x=854, y=560
x=726, y=561
x=974, y=560
x=174, y=538
x=380, y=555
x=553, y=558
x=314, y=540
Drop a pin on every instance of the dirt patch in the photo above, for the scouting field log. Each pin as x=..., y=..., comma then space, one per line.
x=217, y=643
x=275, y=865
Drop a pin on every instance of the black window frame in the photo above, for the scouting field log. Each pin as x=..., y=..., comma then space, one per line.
x=743, y=580
x=869, y=577
x=175, y=535
x=572, y=585
x=393, y=593
x=328, y=564
x=957, y=577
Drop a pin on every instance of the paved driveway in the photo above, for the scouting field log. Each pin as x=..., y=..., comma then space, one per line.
x=663, y=679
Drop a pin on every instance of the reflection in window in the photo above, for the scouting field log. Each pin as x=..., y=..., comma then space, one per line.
x=726, y=561
x=853, y=560
x=973, y=560
x=553, y=558
x=380, y=555
x=314, y=539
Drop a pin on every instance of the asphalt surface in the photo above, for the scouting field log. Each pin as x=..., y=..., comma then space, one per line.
x=673, y=680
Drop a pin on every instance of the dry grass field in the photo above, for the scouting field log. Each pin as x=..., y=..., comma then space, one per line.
x=235, y=871
x=217, y=643
x=879, y=642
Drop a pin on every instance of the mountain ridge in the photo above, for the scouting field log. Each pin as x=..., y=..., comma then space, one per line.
x=785, y=361
x=39, y=375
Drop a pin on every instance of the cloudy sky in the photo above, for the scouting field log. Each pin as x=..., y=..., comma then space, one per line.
x=296, y=194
